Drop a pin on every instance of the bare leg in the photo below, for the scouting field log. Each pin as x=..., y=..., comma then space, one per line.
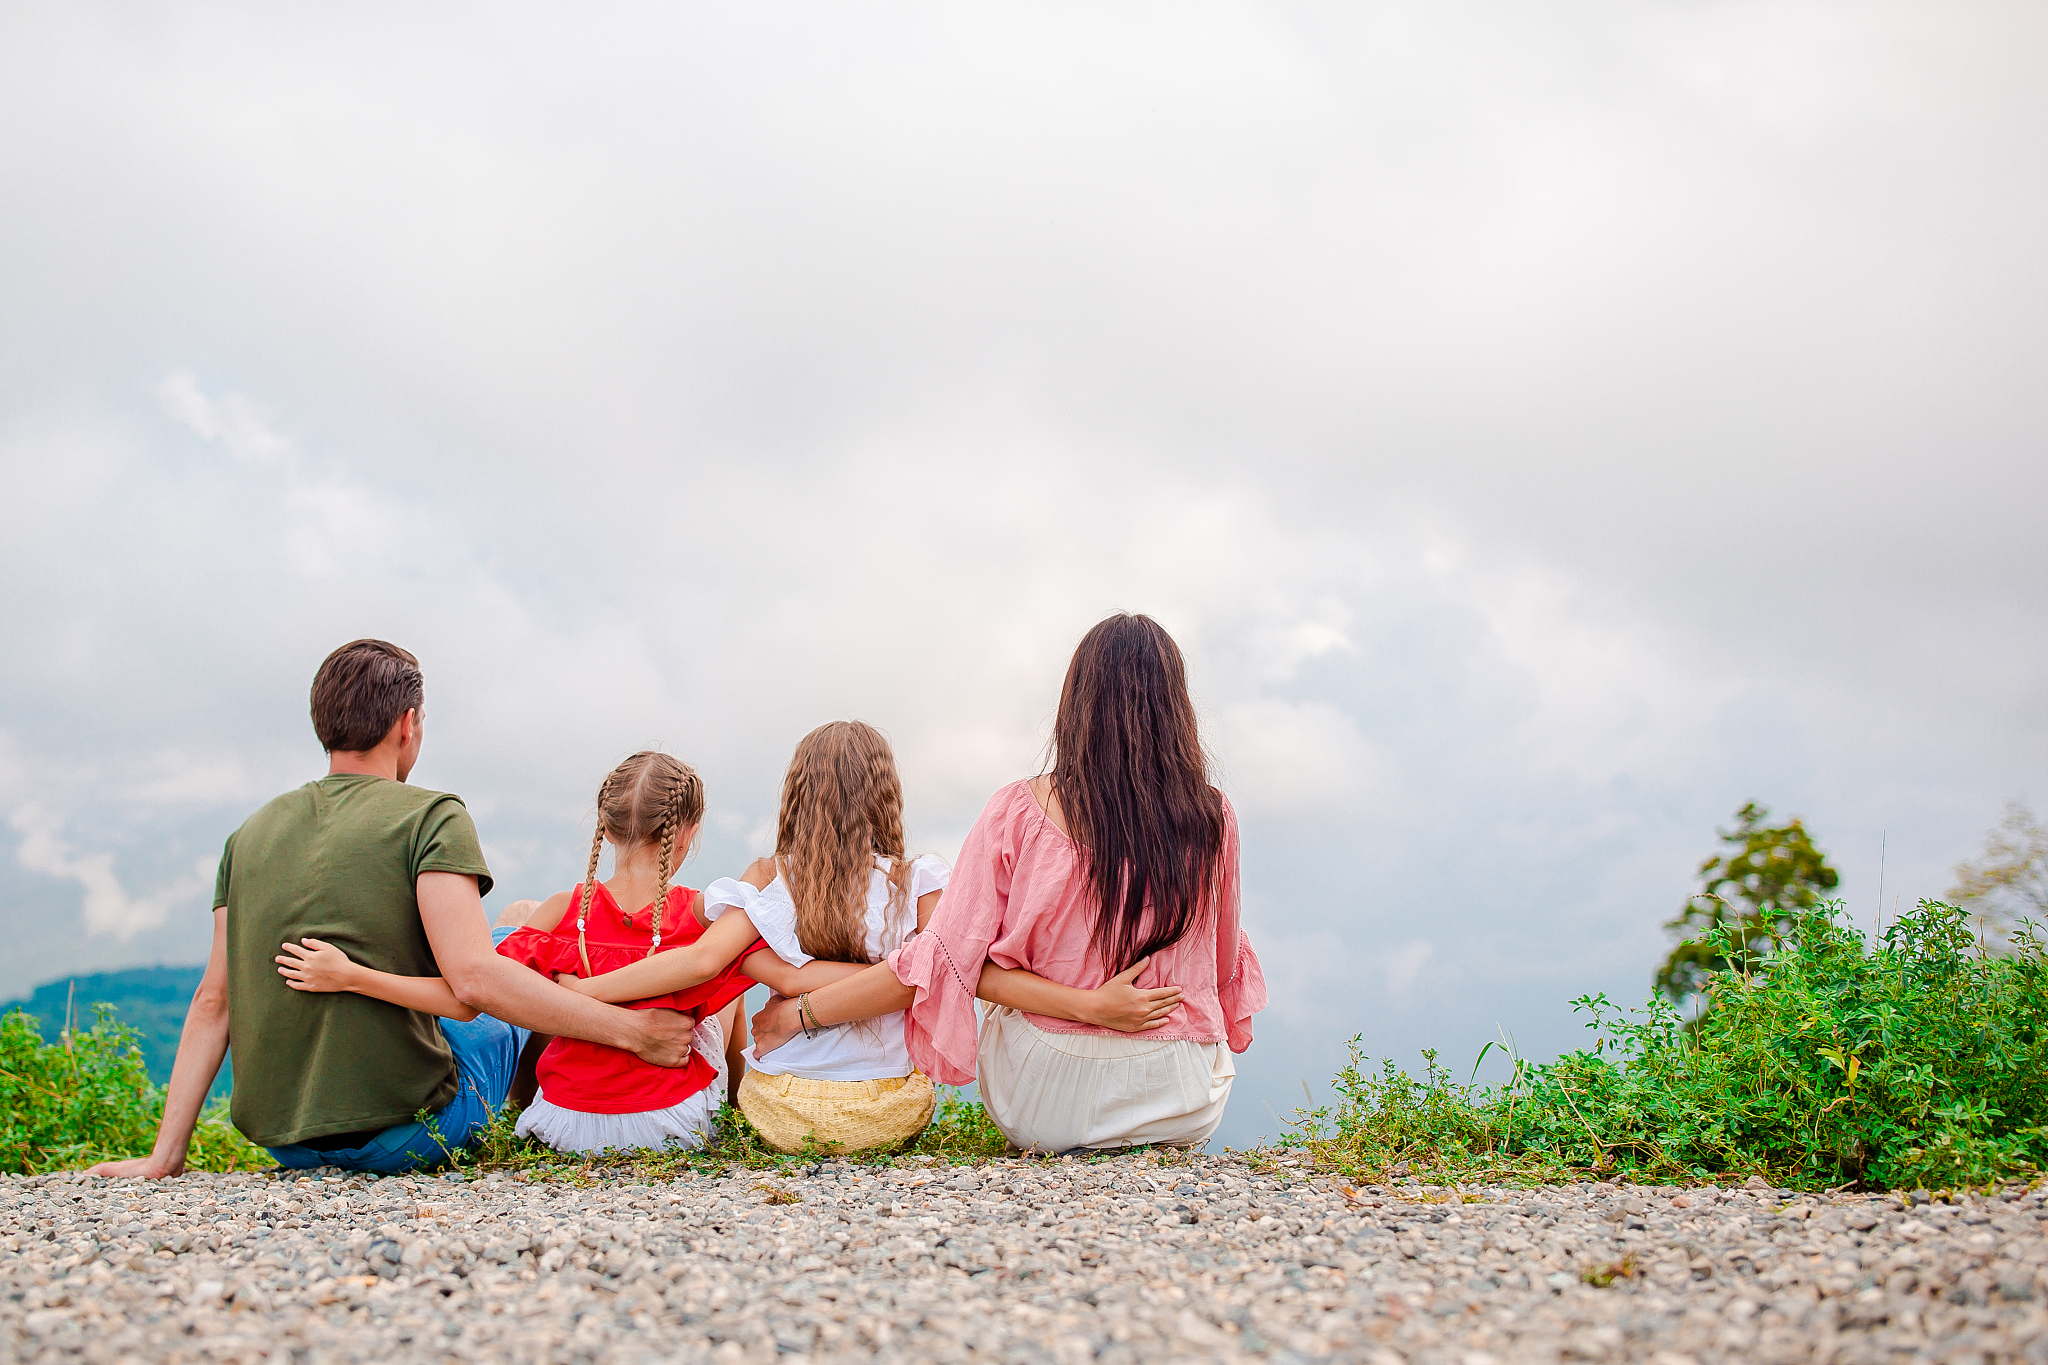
x=525, y=1078
x=734, y=1021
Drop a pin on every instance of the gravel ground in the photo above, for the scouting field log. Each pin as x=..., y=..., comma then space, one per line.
x=1118, y=1260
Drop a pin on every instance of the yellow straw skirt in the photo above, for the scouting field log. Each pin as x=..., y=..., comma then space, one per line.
x=846, y=1116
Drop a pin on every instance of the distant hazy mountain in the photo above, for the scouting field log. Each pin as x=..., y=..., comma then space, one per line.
x=151, y=1000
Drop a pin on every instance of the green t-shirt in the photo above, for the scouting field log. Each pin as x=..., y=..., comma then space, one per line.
x=337, y=860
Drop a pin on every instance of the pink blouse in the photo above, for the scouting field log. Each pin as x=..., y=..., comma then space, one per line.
x=1018, y=899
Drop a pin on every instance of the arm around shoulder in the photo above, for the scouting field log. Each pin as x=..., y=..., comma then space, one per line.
x=452, y=914
x=678, y=969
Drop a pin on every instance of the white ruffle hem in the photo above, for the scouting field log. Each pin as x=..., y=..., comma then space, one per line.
x=687, y=1122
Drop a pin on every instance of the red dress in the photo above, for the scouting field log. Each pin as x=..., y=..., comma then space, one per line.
x=592, y=1078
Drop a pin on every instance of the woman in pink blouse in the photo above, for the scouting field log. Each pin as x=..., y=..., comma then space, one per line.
x=1122, y=857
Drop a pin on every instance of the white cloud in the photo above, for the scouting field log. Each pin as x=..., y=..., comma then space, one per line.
x=1287, y=759
x=108, y=908
x=235, y=423
x=1403, y=966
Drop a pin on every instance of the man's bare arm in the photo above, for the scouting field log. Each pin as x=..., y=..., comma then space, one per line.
x=453, y=916
x=200, y=1049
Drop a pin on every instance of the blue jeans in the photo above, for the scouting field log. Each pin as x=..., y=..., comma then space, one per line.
x=486, y=1053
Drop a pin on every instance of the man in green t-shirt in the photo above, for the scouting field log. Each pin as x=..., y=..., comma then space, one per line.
x=394, y=876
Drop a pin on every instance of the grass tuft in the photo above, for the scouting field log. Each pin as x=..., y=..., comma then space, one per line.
x=1605, y=1274
x=87, y=1097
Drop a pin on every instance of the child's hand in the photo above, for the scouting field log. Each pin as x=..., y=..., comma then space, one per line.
x=1122, y=1006
x=572, y=981
x=316, y=966
x=775, y=1025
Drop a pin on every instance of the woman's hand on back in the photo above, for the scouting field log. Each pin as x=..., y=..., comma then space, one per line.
x=1120, y=1005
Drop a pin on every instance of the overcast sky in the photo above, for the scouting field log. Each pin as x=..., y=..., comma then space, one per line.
x=1545, y=428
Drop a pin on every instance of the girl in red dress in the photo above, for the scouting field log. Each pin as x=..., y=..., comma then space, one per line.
x=593, y=1097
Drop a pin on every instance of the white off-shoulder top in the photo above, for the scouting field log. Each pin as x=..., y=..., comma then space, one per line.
x=872, y=1049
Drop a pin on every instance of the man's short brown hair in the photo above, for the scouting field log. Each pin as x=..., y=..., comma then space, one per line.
x=360, y=692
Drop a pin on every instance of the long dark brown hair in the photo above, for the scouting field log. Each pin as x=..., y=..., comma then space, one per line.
x=1131, y=778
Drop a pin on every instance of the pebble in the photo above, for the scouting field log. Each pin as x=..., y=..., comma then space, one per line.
x=1117, y=1260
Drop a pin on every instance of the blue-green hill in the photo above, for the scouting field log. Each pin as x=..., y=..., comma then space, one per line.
x=150, y=1000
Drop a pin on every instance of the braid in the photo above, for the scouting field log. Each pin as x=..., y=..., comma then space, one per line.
x=590, y=877
x=683, y=806
x=669, y=810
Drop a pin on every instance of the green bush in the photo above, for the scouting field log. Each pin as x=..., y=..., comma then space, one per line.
x=1914, y=1061
x=87, y=1097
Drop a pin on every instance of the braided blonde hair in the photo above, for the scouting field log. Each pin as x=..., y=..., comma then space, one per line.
x=649, y=797
x=842, y=805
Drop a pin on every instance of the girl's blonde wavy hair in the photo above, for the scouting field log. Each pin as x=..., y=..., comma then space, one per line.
x=649, y=797
x=842, y=805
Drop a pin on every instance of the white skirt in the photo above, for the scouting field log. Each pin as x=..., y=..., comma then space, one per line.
x=688, y=1121
x=1052, y=1092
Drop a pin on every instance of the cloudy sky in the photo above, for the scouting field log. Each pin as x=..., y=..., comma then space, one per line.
x=1546, y=428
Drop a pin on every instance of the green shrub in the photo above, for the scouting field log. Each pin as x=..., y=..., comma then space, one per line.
x=960, y=1131
x=87, y=1097
x=1915, y=1061
x=1390, y=1123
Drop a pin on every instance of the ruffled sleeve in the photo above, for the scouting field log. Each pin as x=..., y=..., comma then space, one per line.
x=943, y=963
x=771, y=912
x=545, y=953
x=928, y=874
x=1240, y=982
x=728, y=893
x=773, y=915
